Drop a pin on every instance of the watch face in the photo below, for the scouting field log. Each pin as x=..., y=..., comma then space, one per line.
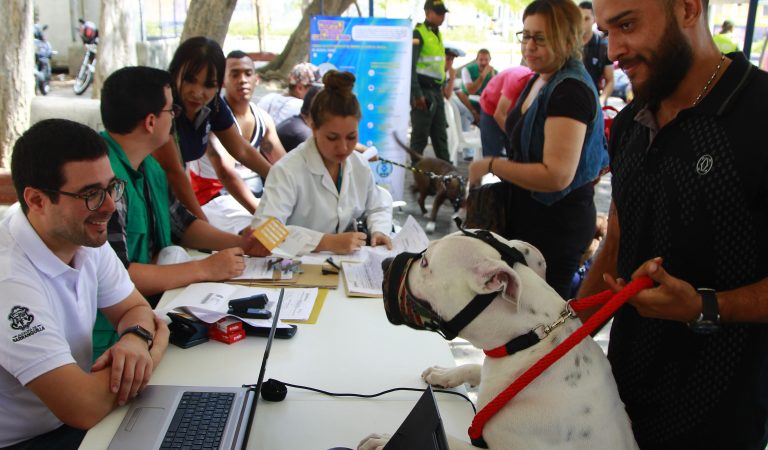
x=705, y=327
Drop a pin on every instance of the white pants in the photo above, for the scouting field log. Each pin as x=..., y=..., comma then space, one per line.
x=226, y=213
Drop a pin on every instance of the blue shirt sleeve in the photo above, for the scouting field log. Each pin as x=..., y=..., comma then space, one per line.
x=221, y=116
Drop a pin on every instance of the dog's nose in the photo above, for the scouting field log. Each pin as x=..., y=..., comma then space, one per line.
x=385, y=264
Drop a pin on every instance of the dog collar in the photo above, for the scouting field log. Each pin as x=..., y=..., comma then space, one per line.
x=532, y=337
x=456, y=202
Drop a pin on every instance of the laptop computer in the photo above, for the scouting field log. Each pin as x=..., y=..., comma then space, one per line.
x=422, y=429
x=167, y=416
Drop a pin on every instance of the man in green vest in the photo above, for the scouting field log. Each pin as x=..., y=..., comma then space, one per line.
x=427, y=77
x=137, y=111
x=476, y=75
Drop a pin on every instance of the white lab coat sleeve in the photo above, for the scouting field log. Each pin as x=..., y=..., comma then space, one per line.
x=379, y=209
x=280, y=197
x=313, y=238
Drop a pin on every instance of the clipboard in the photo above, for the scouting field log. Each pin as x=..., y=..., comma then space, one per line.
x=311, y=277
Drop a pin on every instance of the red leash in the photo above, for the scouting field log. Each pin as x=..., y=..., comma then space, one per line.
x=612, y=303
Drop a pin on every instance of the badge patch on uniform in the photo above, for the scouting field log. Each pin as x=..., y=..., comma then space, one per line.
x=22, y=320
x=704, y=165
x=384, y=168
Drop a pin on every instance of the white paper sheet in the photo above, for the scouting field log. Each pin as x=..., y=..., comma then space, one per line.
x=411, y=238
x=209, y=301
x=257, y=269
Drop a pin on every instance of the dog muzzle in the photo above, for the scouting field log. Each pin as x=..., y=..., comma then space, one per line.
x=401, y=306
x=404, y=308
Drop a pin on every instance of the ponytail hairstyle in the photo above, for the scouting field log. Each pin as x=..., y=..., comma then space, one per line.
x=335, y=99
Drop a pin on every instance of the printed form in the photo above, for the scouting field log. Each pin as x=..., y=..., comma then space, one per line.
x=365, y=278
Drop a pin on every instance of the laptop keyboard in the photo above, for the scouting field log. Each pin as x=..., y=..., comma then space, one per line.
x=199, y=421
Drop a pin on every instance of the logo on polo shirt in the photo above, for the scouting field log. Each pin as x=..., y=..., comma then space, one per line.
x=704, y=165
x=21, y=319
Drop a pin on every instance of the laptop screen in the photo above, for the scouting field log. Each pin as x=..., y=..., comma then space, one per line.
x=262, y=371
x=422, y=429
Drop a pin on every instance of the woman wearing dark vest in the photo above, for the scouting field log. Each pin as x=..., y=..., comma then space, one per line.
x=557, y=143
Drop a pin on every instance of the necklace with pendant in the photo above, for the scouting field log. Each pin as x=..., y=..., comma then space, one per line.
x=714, y=74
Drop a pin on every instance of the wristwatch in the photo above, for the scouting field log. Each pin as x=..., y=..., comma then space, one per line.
x=709, y=319
x=141, y=332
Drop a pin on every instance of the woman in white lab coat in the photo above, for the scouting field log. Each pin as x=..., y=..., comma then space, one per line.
x=323, y=186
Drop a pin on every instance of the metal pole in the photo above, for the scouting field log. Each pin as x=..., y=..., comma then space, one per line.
x=750, y=32
x=322, y=8
x=370, y=8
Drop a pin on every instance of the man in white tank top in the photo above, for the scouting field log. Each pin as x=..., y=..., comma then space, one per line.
x=228, y=190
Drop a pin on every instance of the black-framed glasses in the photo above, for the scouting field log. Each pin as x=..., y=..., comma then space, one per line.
x=538, y=39
x=95, y=197
x=175, y=110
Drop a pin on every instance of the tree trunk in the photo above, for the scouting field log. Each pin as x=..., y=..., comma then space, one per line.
x=117, y=40
x=17, y=84
x=257, y=4
x=208, y=18
x=297, y=48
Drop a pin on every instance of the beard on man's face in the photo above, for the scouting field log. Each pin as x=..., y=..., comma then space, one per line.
x=666, y=67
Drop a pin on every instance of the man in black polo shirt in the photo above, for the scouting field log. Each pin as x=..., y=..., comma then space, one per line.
x=595, y=54
x=690, y=210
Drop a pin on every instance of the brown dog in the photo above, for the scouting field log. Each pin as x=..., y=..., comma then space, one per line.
x=436, y=177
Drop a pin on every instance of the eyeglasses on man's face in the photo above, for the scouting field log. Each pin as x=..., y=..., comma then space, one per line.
x=538, y=39
x=175, y=110
x=94, y=198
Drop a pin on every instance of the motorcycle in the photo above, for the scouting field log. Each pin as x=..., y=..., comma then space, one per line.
x=43, y=54
x=89, y=34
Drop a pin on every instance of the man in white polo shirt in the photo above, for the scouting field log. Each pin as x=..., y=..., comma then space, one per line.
x=55, y=272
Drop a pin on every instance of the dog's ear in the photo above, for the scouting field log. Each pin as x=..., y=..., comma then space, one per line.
x=494, y=275
x=533, y=257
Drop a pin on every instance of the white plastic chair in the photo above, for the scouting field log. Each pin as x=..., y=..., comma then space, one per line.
x=469, y=139
x=453, y=118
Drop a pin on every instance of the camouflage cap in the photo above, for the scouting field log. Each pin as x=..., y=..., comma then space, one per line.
x=304, y=74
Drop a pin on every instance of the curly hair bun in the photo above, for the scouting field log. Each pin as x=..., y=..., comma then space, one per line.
x=339, y=82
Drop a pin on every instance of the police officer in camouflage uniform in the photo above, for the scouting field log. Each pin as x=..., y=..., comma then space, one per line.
x=427, y=78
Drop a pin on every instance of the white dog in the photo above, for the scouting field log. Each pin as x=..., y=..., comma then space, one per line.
x=573, y=404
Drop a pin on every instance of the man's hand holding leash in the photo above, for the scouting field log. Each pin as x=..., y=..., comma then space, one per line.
x=671, y=299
